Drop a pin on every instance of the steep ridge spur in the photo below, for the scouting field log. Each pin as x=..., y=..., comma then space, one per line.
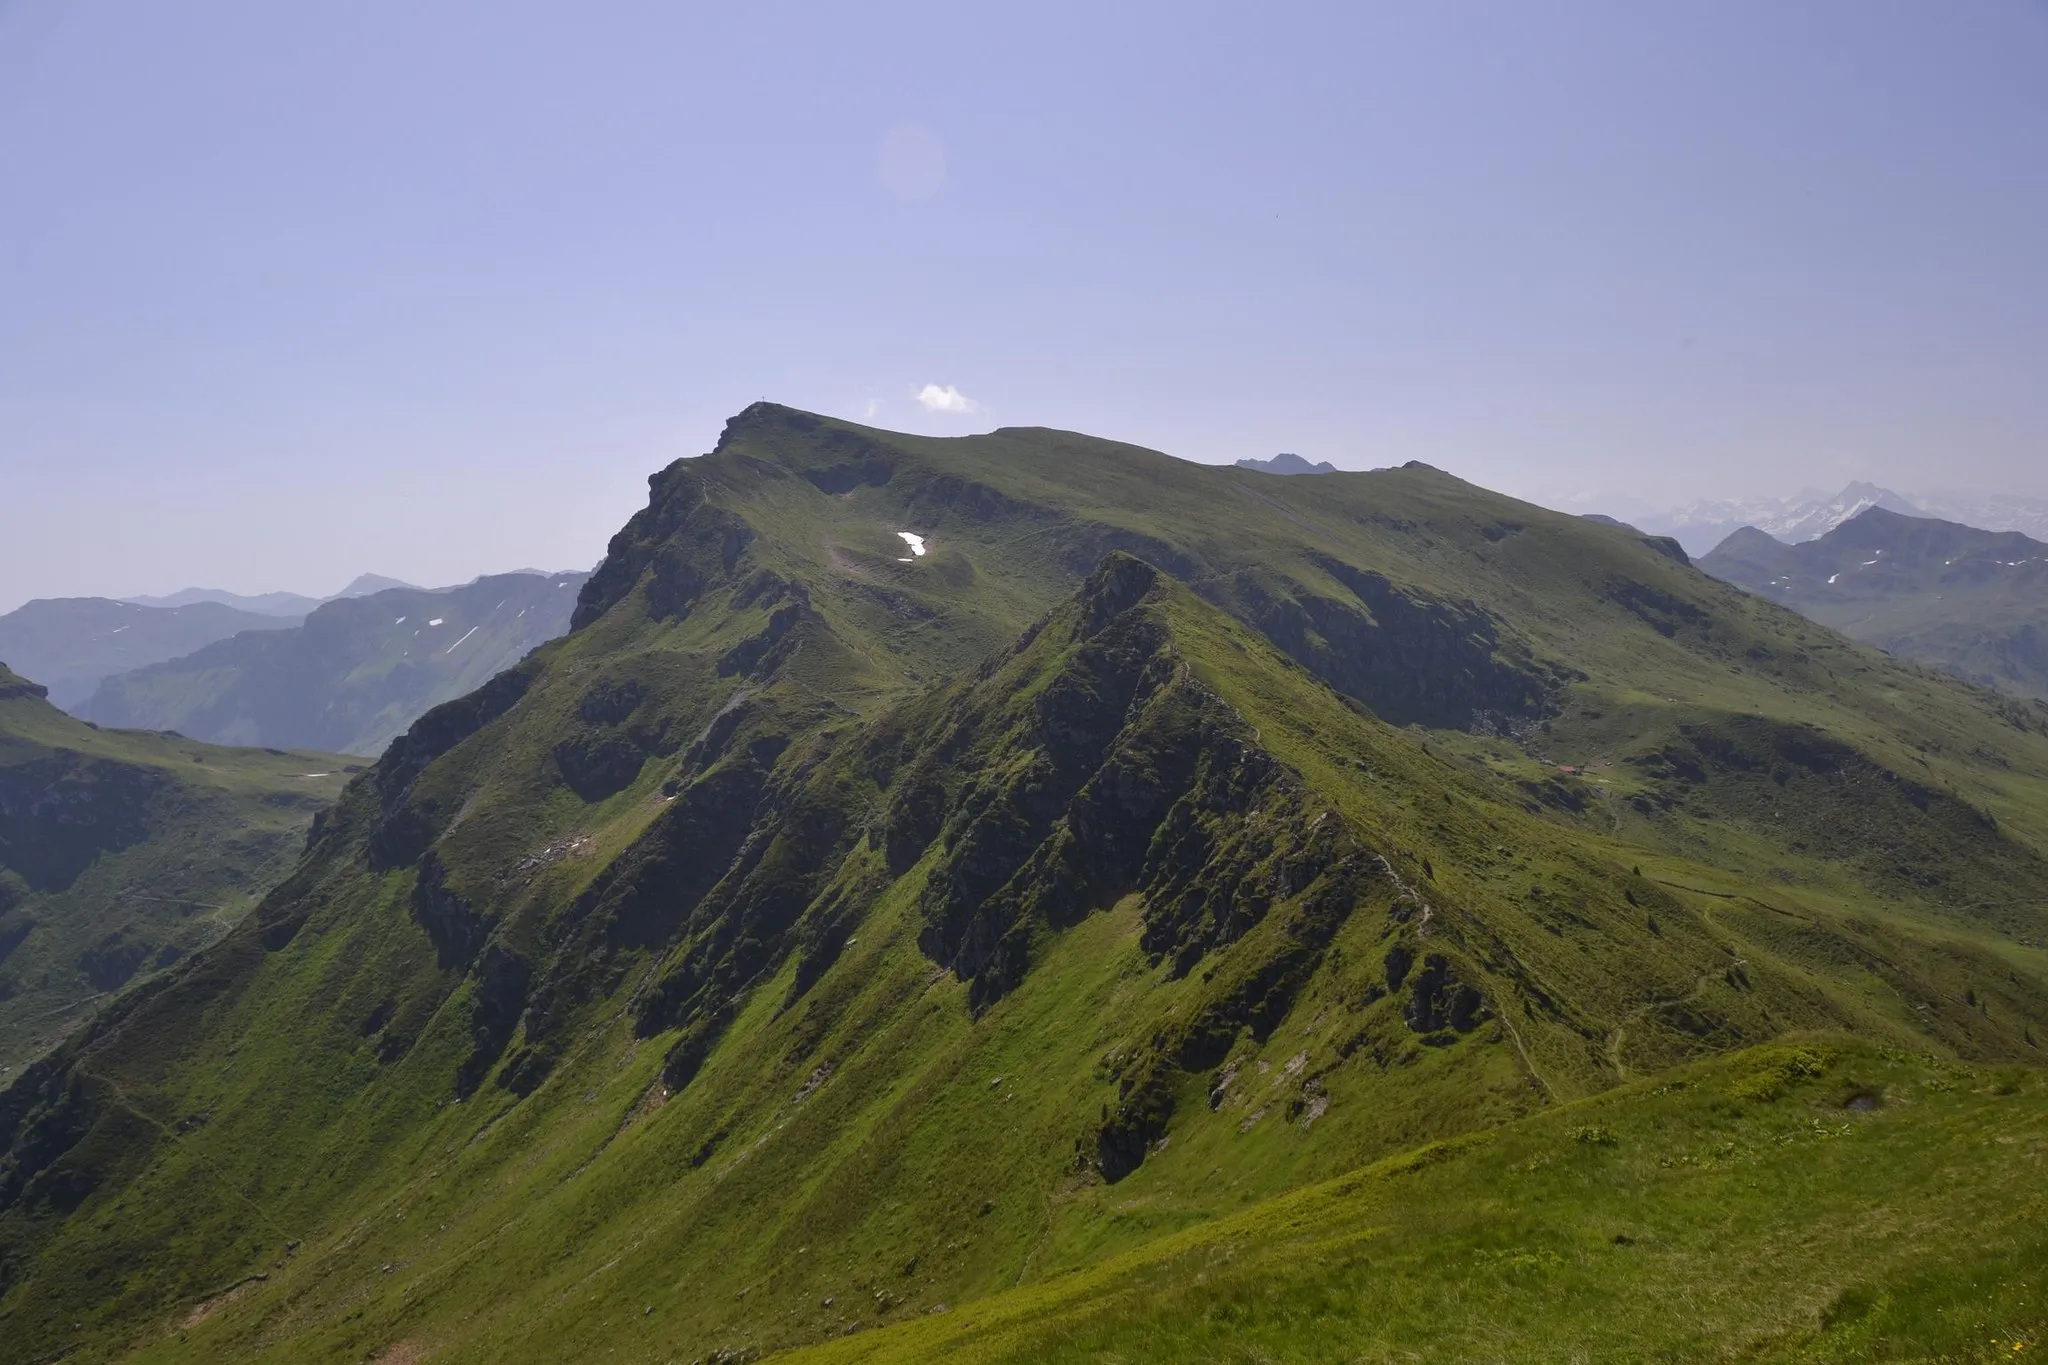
x=821, y=933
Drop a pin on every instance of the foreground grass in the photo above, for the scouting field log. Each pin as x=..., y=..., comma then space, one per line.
x=1757, y=1207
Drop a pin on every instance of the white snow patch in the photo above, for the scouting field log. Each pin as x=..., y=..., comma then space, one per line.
x=399, y=622
x=437, y=620
x=1833, y=576
x=458, y=644
x=914, y=541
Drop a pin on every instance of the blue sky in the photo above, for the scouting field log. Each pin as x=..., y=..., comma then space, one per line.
x=293, y=291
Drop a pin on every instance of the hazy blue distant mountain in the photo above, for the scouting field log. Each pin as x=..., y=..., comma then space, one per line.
x=1989, y=511
x=1286, y=463
x=368, y=583
x=68, y=644
x=1967, y=601
x=270, y=603
x=262, y=604
x=356, y=673
x=1805, y=515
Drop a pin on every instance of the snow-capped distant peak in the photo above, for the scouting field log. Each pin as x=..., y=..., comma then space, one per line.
x=1703, y=525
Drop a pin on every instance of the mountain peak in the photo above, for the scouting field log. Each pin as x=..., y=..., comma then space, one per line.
x=365, y=584
x=764, y=416
x=1749, y=538
x=1287, y=463
x=1807, y=515
x=1119, y=582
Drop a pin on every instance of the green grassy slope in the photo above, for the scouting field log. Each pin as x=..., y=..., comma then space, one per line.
x=821, y=932
x=353, y=676
x=121, y=853
x=1819, y=1201
x=1969, y=602
x=70, y=643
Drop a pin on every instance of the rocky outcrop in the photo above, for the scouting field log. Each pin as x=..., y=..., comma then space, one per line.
x=672, y=495
x=499, y=994
x=1439, y=1000
x=456, y=930
x=1326, y=881
x=14, y=687
x=404, y=827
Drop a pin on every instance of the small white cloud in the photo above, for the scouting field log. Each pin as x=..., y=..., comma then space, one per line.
x=874, y=406
x=945, y=398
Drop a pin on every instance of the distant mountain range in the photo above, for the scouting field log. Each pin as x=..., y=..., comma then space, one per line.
x=1973, y=603
x=1810, y=513
x=196, y=663
x=1287, y=463
x=270, y=603
x=356, y=673
x=69, y=644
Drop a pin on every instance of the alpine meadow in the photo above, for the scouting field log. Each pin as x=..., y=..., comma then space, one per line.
x=1025, y=897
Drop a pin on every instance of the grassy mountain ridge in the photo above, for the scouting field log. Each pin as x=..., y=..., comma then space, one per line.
x=121, y=853
x=1969, y=602
x=70, y=643
x=353, y=675
x=824, y=930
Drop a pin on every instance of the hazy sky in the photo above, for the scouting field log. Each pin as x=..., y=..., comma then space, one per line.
x=290, y=291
